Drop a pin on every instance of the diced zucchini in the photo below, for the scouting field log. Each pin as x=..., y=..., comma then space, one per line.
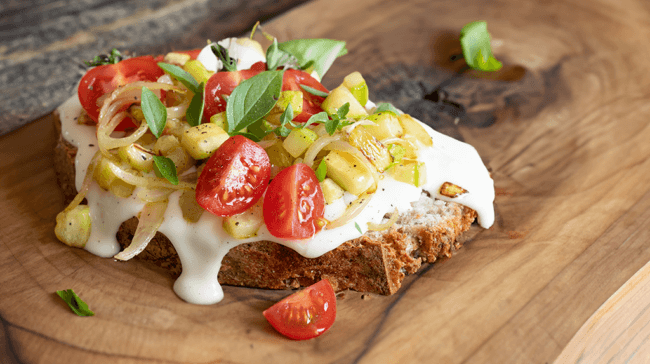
x=320, y=130
x=298, y=140
x=331, y=191
x=137, y=156
x=348, y=172
x=181, y=158
x=73, y=226
x=177, y=58
x=202, y=140
x=286, y=97
x=191, y=210
x=397, y=151
x=219, y=120
x=107, y=180
x=278, y=156
x=338, y=97
x=388, y=125
x=147, y=140
x=136, y=112
x=176, y=127
x=372, y=148
x=410, y=172
x=246, y=224
x=197, y=70
x=165, y=143
x=414, y=128
x=357, y=86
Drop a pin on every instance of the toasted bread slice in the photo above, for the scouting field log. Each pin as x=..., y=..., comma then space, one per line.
x=377, y=262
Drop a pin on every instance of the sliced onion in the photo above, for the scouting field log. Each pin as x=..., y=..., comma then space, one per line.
x=178, y=110
x=154, y=195
x=352, y=211
x=150, y=219
x=316, y=147
x=165, y=79
x=149, y=182
x=85, y=185
x=380, y=227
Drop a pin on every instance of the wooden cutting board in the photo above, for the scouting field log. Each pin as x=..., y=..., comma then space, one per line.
x=563, y=128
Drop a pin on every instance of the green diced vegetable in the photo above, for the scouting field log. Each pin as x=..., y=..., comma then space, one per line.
x=348, y=172
x=73, y=226
x=331, y=191
x=388, y=125
x=137, y=156
x=246, y=224
x=357, y=86
x=202, y=140
x=372, y=148
x=414, y=128
x=339, y=97
x=298, y=140
x=197, y=70
x=410, y=172
x=278, y=156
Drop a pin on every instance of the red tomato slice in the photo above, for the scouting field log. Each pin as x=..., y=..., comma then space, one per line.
x=305, y=314
x=104, y=79
x=234, y=177
x=294, y=203
x=223, y=83
x=310, y=103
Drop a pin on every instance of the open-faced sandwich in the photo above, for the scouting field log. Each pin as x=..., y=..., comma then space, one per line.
x=237, y=166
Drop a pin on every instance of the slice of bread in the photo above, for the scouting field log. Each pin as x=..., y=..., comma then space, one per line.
x=377, y=262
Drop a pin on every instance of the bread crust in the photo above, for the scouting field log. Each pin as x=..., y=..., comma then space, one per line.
x=377, y=262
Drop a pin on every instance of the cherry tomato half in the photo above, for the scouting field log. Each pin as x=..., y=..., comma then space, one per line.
x=234, y=177
x=223, y=83
x=294, y=203
x=305, y=314
x=104, y=79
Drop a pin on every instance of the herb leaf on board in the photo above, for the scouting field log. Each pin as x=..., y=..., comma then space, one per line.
x=76, y=304
x=475, y=41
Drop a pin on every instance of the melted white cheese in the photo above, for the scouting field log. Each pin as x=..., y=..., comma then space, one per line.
x=201, y=246
x=245, y=53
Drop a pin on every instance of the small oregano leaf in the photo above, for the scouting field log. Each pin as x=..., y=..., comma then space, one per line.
x=166, y=168
x=76, y=304
x=154, y=111
x=321, y=171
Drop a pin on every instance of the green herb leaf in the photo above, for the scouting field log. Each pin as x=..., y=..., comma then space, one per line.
x=194, y=112
x=475, y=41
x=154, y=111
x=258, y=130
x=319, y=118
x=331, y=125
x=276, y=57
x=313, y=91
x=103, y=59
x=320, y=52
x=250, y=136
x=229, y=64
x=343, y=110
x=76, y=304
x=321, y=171
x=356, y=225
x=387, y=107
x=253, y=99
x=166, y=168
x=287, y=115
x=181, y=75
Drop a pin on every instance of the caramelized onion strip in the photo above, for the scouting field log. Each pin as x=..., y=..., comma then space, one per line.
x=150, y=219
x=383, y=226
x=352, y=211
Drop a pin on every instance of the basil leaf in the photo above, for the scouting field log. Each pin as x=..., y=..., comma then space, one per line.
x=194, y=112
x=322, y=52
x=343, y=110
x=331, y=125
x=229, y=64
x=253, y=99
x=276, y=57
x=258, y=130
x=181, y=75
x=166, y=168
x=356, y=225
x=154, y=111
x=321, y=171
x=387, y=107
x=475, y=41
x=287, y=115
x=313, y=91
x=76, y=304
x=319, y=118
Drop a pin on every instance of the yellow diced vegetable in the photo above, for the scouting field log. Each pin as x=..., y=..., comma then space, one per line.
x=286, y=97
x=357, y=86
x=339, y=97
x=177, y=58
x=331, y=191
x=298, y=140
x=410, y=172
x=202, y=140
x=388, y=125
x=73, y=226
x=107, y=180
x=348, y=172
x=414, y=128
x=372, y=148
x=246, y=224
x=278, y=156
x=197, y=70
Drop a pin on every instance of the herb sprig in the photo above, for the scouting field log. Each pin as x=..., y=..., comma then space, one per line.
x=229, y=64
x=103, y=59
x=76, y=304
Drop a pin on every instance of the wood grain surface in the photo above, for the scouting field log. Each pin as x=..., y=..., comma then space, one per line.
x=563, y=128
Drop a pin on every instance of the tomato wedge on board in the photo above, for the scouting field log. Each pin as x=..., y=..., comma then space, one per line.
x=305, y=314
x=294, y=203
x=234, y=177
x=223, y=83
x=104, y=79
